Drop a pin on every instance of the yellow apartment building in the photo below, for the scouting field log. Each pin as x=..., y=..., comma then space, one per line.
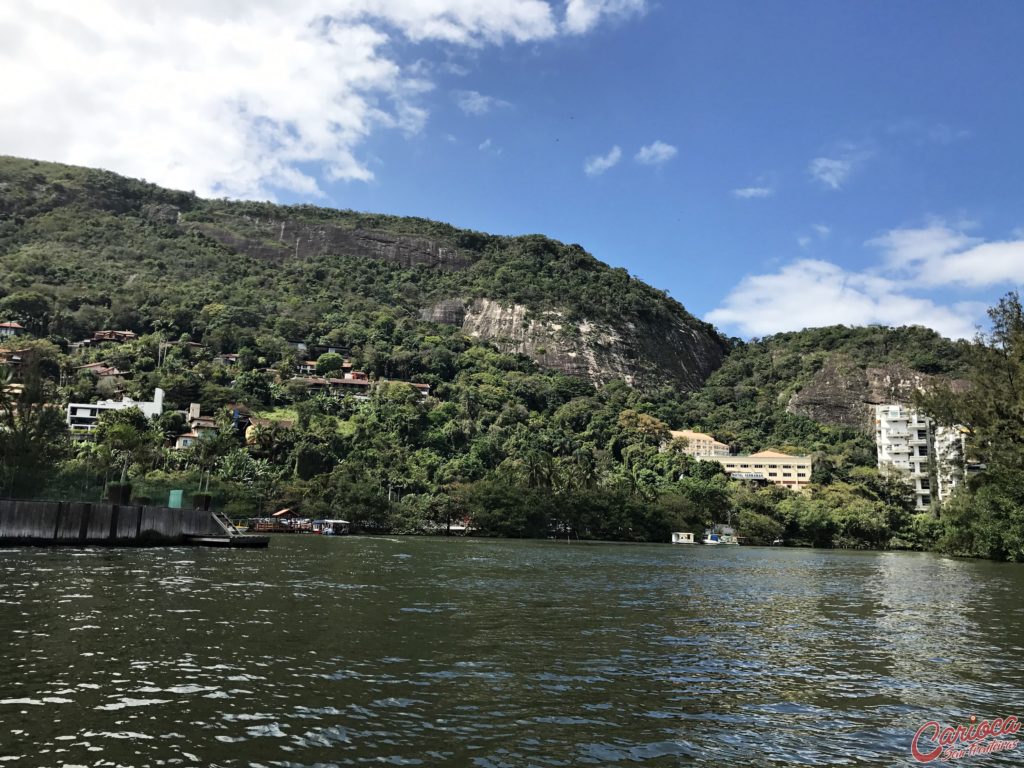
x=700, y=445
x=779, y=468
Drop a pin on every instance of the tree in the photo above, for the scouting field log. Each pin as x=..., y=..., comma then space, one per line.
x=328, y=363
x=29, y=308
x=986, y=519
x=255, y=386
x=33, y=434
x=128, y=437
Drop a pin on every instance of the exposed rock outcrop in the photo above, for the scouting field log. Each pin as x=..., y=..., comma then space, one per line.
x=843, y=394
x=640, y=353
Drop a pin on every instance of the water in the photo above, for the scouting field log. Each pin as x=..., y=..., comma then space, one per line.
x=400, y=651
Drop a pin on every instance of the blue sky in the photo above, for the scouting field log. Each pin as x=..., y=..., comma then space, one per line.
x=770, y=165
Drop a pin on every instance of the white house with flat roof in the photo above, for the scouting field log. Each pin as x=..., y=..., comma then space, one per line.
x=83, y=417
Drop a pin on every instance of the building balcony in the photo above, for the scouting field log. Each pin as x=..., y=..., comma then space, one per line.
x=894, y=416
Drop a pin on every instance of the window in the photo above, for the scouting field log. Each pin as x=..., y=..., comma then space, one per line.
x=773, y=474
x=922, y=450
x=922, y=434
x=925, y=484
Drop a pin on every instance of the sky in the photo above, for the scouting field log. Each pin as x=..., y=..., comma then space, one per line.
x=772, y=166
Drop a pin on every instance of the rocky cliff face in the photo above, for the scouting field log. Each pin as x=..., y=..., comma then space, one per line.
x=640, y=353
x=278, y=239
x=843, y=394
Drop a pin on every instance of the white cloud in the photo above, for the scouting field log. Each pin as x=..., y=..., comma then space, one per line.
x=830, y=171
x=598, y=164
x=928, y=133
x=476, y=103
x=820, y=230
x=812, y=293
x=753, y=193
x=939, y=255
x=235, y=97
x=583, y=15
x=489, y=146
x=656, y=153
x=834, y=170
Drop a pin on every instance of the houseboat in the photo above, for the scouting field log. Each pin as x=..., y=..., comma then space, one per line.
x=331, y=527
x=682, y=537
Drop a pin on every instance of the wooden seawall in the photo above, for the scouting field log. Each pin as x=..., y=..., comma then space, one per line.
x=48, y=523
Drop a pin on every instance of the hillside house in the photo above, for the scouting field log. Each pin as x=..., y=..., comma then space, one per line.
x=82, y=418
x=117, y=337
x=355, y=383
x=308, y=367
x=199, y=427
x=699, y=444
x=186, y=440
x=10, y=329
x=101, y=370
x=14, y=358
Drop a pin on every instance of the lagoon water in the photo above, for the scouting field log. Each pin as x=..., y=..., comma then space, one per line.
x=411, y=651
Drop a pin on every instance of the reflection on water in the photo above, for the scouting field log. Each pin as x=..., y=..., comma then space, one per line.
x=344, y=651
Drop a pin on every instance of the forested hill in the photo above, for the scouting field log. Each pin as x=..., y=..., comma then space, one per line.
x=503, y=339
x=813, y=390
x=107, y=251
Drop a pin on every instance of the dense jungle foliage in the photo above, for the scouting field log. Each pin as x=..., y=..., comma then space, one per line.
x=511, y=447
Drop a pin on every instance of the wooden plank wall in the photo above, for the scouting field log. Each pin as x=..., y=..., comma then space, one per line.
x=78, y=523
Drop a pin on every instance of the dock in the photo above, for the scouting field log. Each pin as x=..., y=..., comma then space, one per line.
x=234, y=542
x=227, y=536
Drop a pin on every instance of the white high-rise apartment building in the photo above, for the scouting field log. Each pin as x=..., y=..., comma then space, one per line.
x=950, y=467
x=906, y=440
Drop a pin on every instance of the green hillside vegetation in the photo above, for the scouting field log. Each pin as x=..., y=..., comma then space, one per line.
x=517, y=449
x=107, y=251
x=744, y=403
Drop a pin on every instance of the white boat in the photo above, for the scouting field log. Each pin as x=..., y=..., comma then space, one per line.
x=682, y=537
x=720, y=534
x=331, y=527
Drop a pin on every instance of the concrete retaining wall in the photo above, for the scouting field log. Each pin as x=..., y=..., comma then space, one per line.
x=78, y=523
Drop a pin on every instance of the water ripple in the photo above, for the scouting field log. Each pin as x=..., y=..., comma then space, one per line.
x=345, y=651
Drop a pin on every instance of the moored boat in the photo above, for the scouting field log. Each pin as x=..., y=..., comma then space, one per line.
x=720, y=534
